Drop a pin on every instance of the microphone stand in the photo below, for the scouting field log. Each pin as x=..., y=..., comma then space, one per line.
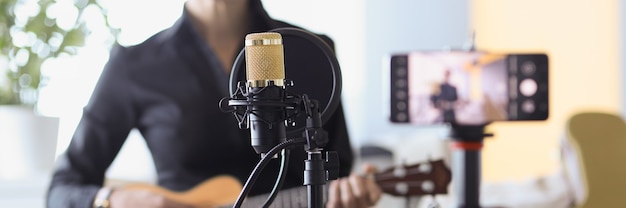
x=466, y=159
x=317, y=169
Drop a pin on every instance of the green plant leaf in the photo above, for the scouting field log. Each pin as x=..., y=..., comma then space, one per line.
x=43, y=27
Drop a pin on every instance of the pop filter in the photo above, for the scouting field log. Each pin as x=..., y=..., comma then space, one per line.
x=312, y=66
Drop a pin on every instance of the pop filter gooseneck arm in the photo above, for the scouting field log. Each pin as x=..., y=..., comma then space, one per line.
x=318, y=168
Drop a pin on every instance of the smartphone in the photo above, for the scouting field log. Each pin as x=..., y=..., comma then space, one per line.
x=467, y=87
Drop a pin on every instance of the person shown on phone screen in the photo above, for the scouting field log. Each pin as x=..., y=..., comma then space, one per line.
x=445, y=98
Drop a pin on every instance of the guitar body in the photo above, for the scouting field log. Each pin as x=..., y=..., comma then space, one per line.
x=218, y=191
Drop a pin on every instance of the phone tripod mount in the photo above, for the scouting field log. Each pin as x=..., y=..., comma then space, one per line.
x=467, y=143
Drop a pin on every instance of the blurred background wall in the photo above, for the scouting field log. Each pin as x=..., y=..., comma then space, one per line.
x=584, y=42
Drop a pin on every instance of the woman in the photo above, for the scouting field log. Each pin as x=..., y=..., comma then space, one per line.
x=166, y=87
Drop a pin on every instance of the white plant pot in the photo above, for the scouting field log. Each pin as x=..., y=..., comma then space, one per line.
x=27, y=142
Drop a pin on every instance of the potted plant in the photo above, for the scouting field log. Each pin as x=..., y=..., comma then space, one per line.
x=32, y=32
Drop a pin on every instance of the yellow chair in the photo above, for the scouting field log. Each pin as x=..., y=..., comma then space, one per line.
x=599, y=142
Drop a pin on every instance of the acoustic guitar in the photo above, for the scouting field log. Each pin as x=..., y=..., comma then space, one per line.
x=420, y=179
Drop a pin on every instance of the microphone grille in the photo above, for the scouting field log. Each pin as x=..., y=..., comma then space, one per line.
x=264, y=58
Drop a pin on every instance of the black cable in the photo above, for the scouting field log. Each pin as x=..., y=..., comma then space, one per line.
x=261, y=164
x=284, y=163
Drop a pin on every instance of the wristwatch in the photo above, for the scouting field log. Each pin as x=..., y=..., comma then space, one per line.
x=102, y=198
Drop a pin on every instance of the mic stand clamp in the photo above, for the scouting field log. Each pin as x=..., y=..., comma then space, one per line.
x=317, y=169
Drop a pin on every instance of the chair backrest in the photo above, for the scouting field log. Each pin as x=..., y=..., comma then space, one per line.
x=600, y=143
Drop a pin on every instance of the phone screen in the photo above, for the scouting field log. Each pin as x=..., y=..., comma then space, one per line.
x=433, y=87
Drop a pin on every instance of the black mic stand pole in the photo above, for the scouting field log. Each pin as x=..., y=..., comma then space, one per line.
x=317, y=170
x=466, y=163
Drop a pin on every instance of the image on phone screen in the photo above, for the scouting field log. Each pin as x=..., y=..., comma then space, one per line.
x=434, y=87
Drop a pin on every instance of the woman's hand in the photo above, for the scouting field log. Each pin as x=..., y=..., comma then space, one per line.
x=354, y=191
